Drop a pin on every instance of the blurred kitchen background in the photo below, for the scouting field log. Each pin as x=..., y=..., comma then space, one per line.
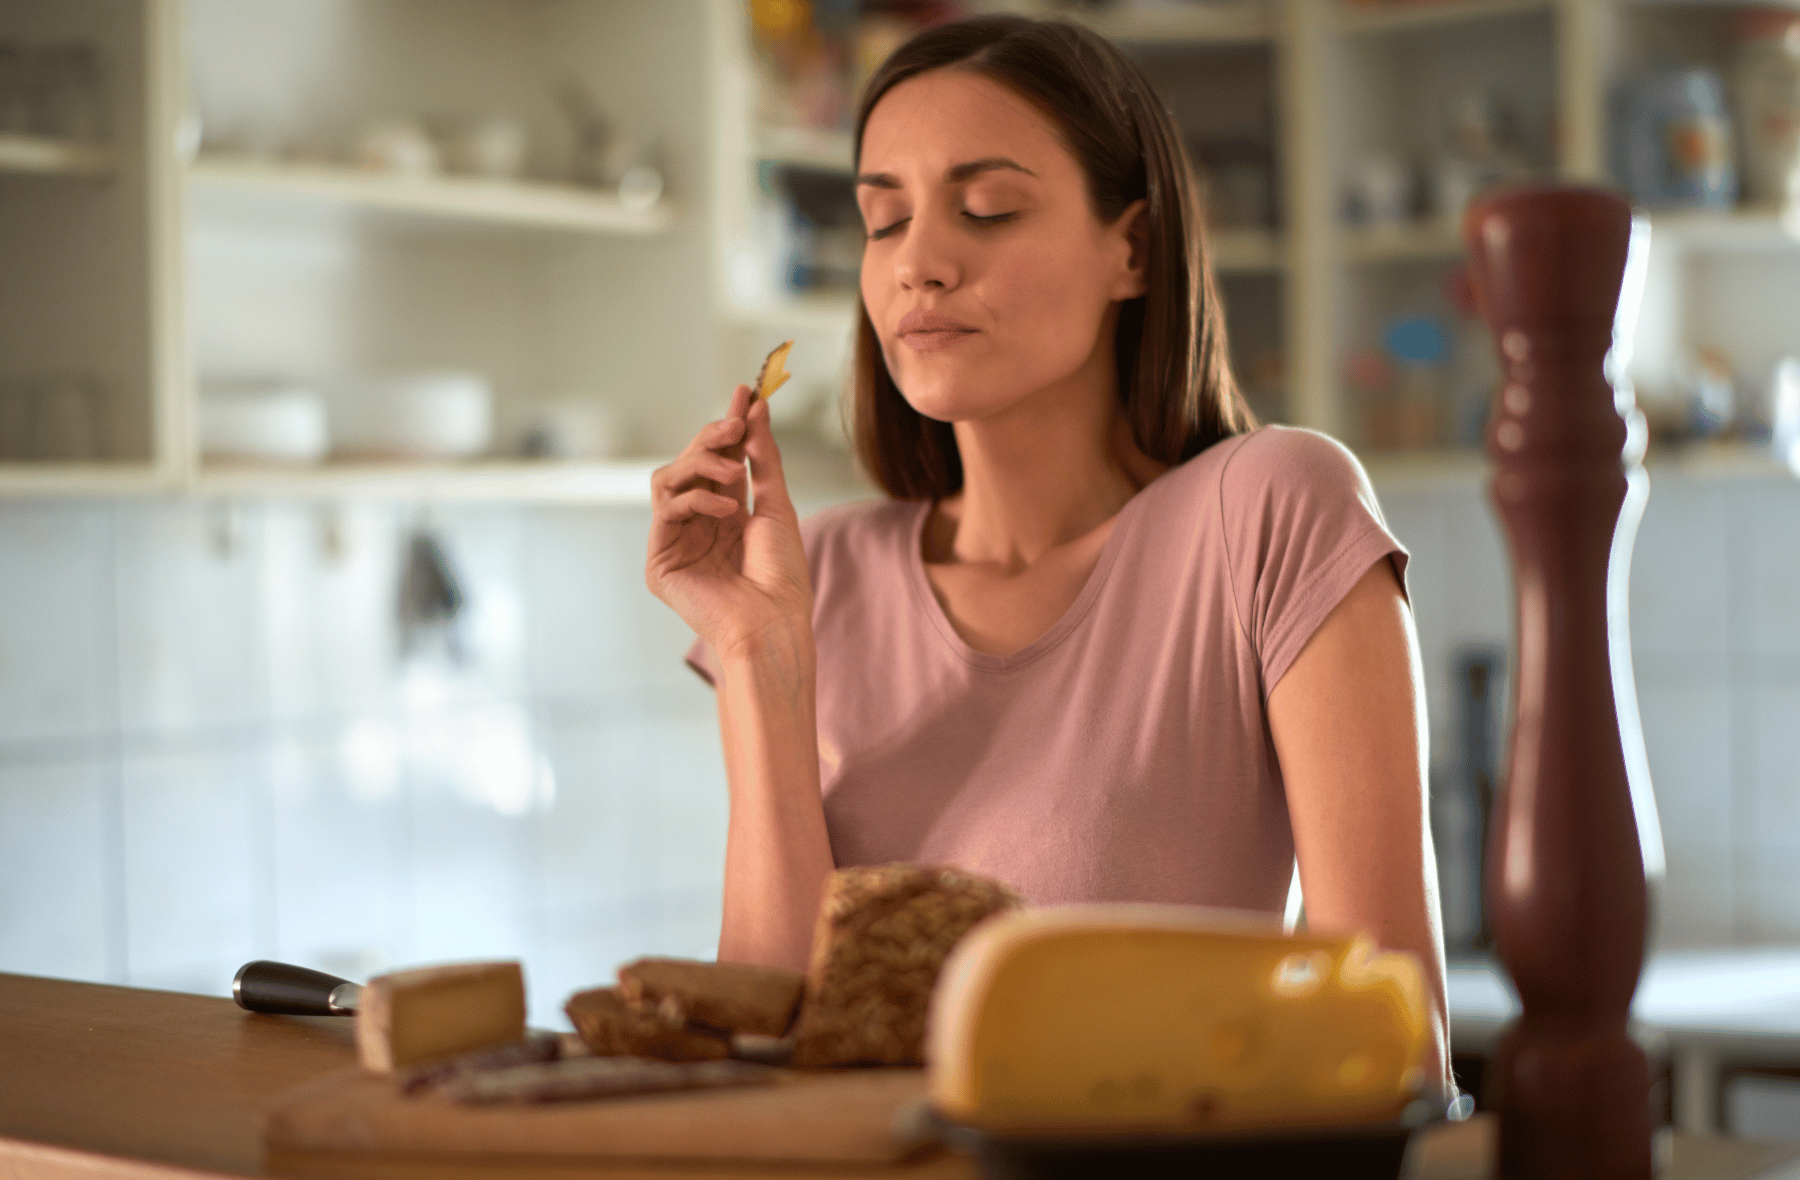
x=338, y=338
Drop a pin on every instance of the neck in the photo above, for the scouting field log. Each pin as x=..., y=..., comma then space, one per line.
x=1046, y=471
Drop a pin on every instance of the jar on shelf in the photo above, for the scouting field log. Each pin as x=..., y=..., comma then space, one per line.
x=1765, y=83
x=1672, y=140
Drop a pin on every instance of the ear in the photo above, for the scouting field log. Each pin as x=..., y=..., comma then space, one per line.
x=1133, y=233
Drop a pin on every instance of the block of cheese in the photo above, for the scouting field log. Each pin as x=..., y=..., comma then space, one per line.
x=1149, y=1018
x=882, y=935
x=429, y=1012
x=730, y=997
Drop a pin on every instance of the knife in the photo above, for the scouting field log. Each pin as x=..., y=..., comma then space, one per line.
x=283, y=989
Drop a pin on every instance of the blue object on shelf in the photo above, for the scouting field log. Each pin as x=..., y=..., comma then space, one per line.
x=1672, y=144
x=1416, y=340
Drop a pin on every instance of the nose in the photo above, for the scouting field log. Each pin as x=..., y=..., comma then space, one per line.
x=927, y=257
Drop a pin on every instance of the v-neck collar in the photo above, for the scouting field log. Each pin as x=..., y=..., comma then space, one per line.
x=1059, y=630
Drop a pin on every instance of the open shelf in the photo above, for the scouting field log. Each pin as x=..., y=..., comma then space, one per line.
x=620, y=481
x=524, y=204
x=1729, y=231
x=1458, y=467
x=1374, y=15
x=1235, y=22
x=1245, y=250
x=799, y=147
x=1421, y=241
x=37, y=156
x=80, y=479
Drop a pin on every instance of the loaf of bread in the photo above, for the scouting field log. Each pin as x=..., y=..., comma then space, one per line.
x=611, y=1027
x=882, y=935
x=729, y=997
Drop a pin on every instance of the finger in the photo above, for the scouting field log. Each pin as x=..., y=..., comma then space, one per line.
x=695, y=502
x=715, y=437
x=741, y=400
x=767, y=478
x=688, y=469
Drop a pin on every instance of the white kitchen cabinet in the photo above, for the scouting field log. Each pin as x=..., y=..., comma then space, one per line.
x=148, y=275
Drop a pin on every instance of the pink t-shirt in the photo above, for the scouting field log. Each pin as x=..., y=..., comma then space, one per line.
x=1125, y=754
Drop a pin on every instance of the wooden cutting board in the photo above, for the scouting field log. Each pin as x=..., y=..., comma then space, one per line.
x=352, y=1123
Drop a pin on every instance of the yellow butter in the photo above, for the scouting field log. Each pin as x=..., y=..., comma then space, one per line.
x=1161, y=1018
x=407, y=1017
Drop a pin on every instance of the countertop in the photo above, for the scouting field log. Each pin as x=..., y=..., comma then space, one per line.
x=99, y=1081
x=1707, y=1007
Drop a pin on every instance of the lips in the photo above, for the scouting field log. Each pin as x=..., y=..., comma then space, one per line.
x=927, y=331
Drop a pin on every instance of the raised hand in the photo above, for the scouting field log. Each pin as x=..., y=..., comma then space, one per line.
x=738, y=578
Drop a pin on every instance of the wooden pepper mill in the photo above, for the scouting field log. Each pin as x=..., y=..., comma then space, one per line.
x=1565, y=873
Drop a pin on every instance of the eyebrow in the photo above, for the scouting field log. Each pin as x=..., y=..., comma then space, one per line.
x=956, y=175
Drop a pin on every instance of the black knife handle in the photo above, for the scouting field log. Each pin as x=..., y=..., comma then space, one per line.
x=286, y=990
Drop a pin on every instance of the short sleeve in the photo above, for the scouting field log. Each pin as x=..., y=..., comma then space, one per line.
x=1302, y=527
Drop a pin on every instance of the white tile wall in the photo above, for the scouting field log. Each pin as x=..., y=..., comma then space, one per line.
x=56, y=867
x=190, y=605
x=197, y=866
x=210, y=749
x=595, y=626
x=1767, y=517
x=342, y=846
x=475, y=786
x=1680, y=583
x=1715, y=630
x=57, y=673
x=1687, y=737
x=330, y=621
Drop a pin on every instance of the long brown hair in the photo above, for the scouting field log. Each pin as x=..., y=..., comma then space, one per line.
x=1173, y=365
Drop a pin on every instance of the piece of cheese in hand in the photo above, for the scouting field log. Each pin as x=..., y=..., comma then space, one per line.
x=429, y=1012
x=1152, y=1018
x=773, y=375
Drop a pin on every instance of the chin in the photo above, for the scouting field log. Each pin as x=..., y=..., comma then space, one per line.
x=954, y=397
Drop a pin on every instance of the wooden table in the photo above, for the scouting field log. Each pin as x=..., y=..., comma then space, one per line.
x=122, y=1084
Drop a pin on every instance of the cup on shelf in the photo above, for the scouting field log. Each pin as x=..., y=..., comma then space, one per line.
x=573, y=429
x=423, y=415
x=1672, y=142
x=275, y=424
x=1381, y=191
x=1766, y=92
x=400, y=146
x=489, y=146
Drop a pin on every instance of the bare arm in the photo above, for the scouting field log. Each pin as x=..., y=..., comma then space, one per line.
x=777, y=854
x=1348, y=721
x=740, y=580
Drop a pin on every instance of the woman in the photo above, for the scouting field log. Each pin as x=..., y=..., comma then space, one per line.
x=1104, y=641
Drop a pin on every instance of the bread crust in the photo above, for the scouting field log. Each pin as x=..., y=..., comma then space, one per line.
x=882, y=936
x=611, y=1027
x=730, y=997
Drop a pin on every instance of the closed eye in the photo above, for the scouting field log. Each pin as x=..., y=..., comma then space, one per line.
x=989, y=219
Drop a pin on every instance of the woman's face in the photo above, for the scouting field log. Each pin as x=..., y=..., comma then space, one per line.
x=987, y=276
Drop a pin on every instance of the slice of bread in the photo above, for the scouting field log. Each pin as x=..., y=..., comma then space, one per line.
x=731, y=997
